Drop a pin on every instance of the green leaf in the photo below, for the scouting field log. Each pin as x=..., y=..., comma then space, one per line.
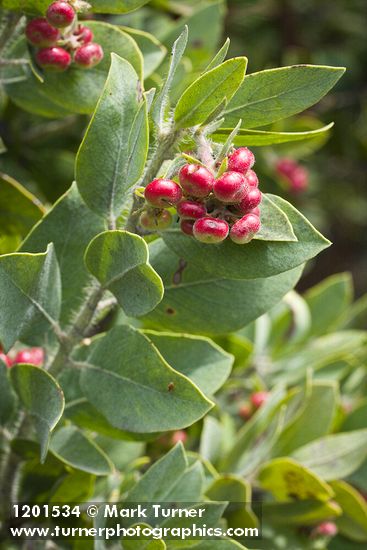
x=198, y=358
x=287, y=480
x=74, y=487
x=219, y=57
x=328, y=302
x=128, y=381
x=73, y=447
x=161, y=100
x=271, y=95
x=119, y=260
x=313, y=420
x=153, y=51
x=70, y=226
x=75, y=90
x=161, y=478
x=103, y=180
x=186, y=284
x=208, y=91
x=42, y=397
x=334, y=456
x=275, y=225
x=301, y=513
x=217, y=544
x=19, y=209
x=353, y=522
x=257, y=258
x=7, y=402
x=258, y=138
x=30, y=296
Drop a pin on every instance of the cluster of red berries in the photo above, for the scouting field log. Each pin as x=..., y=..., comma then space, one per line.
x=32, y=356
x=209, y=208
x=295, y=175
x=257, y=399
x=62, y=40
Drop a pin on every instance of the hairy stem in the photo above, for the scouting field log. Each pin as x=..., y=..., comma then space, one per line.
x=205, y=151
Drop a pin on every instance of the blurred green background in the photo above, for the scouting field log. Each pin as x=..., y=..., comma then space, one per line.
x=271, y=33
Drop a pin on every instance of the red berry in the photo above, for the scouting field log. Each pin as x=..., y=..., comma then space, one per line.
x=5, y=359
x=252, y=179
x=196, y=180
x=191, y=209
x=53, y=59
x=60, y=14
x=255, y=211
x=259, y=398
x=326, y=529
x=88, y=56
x=187, y=226
x=250, y=201
x=299, y=179
x=155, y=220
x=245, y=411
x=243, y=230
x=285, y=167
x=241, y=160
x=163, y=193
x=210, y=230
x=39, y=32
x=231, y=187
x=179, y=435
x=33, y=356
x=84, y=34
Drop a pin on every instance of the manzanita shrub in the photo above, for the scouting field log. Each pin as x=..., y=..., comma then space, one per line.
x=162, y=269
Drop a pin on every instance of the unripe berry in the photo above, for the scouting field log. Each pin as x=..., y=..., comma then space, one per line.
x=196, y=180
x=241, y=160
x=155, y=220
x=33, y=356
x=187, y=226
x=5, y=359
x=60, y=14
x=40, y=33
x=191, y=209
x=88, y=56
x=53, y=59
x=210, y=230
x=231, y=187
x=162, y=193
x=243, y=230
x=84, y=34
x=250, y=201
x=259, y=398
x=245, y=411
x=179, y=435
x=326, y=529
x=252, y=179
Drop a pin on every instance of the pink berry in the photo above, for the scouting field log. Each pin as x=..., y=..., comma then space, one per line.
x=285, y=166
x=210, y=230
x=299, y=180
x=250, y=201
x=88, y=56
x=241, y=160
x=252, y=179
x=245, y=411
x=40, y=33
x=84, y=34
x=191, y=209
x=162, y=193
x=231, y=187
x=259, y=398
x=179, y=435
x=53, y=59
x=326, y=529
x=155, y=220
x=244, y=230
x=33, y=356
x=187, y=226
x=196, y=180
x=255, y=211
x=60, y=14
x=5, y=359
